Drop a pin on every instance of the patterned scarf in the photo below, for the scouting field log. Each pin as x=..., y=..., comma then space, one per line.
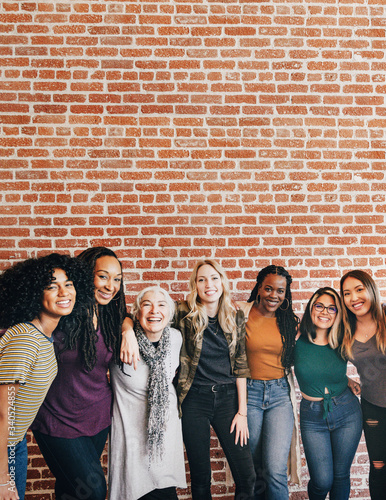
x=158, y=391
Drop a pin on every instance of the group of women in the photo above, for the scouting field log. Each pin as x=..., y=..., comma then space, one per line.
x=211, y=361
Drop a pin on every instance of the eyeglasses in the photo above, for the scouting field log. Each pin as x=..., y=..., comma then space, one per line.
x=318, y=306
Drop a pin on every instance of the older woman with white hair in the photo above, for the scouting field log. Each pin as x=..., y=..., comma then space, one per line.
x=146, y=459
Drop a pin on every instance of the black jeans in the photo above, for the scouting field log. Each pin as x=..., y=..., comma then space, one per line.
x=162, y=494
x=374, y=424
x=201, y=409
x=75, y=463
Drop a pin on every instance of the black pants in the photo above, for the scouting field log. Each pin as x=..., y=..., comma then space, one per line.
x=374, y=424
x=75, y=463
x=162, y=494
x=201, y=409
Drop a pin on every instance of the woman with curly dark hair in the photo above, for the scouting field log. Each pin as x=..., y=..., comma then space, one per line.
x=35, y=296
x=271, y=327
x=73, y=423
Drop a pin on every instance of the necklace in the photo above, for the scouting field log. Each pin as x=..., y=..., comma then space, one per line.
x=40, y=326
x=213, y=324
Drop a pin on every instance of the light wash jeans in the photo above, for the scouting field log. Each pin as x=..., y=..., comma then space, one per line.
x=330, y=444
x=270, y=422
x=17, y=466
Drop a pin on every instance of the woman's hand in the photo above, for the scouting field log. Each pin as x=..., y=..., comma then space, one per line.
x=129, y=347
x=8, y=492
x=354, y=386
x=240, y=424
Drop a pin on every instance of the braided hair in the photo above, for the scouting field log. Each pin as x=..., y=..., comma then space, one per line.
x=110, y=317
x=287, y=320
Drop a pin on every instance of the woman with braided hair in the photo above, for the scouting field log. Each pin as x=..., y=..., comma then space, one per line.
x=73, y=423
x=271, y=328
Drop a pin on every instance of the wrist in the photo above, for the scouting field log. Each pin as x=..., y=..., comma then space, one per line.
x=242, y=414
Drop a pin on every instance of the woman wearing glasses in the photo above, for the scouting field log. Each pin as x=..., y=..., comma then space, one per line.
x=330, y=414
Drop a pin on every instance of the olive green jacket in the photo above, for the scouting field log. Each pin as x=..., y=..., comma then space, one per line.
x=191, y=350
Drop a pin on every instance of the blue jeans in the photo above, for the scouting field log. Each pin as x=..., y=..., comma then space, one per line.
x=17, y=466
x=75, y=463
x=270, y=422
x=330, y=444
x=201, y=409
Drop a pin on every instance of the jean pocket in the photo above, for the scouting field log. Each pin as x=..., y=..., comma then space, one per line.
x=283, y=382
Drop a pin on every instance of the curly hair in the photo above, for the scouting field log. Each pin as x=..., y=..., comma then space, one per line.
x=226, y=310
x=110, y=317
x=22, y=286
x=378, y=313
x=287, y=320
x=307, y=327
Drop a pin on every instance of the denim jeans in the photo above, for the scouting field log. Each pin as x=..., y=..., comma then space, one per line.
x=270, y=422
x=201, y=409
x=75, y=463
x=374, y=424
x=17, y=466
x=330, y=444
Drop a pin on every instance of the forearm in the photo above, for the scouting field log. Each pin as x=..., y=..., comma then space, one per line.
x=241, y=384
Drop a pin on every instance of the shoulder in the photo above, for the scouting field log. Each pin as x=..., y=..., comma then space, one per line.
x=24, y=333
x=245, y=307
x=175, y=334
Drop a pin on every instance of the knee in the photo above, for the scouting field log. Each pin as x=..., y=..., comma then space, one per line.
x=378, y=465
x=319, y=488
x=371, y=422
x=93, y=487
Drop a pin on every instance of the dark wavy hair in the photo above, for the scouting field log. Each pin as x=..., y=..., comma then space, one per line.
x=22, y=286
x=110, y=316
x=287, y=320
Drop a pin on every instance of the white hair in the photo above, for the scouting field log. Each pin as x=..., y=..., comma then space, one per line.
x=138, y=299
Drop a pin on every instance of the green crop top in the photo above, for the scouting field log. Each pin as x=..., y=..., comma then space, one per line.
x=318, y=367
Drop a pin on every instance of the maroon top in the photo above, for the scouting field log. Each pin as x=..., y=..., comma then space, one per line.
x=78, y=403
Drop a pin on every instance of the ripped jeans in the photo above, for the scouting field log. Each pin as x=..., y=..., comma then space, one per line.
x=374, y=424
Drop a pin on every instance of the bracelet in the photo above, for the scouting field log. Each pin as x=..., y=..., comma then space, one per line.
x=238, y=413
x=5, y=484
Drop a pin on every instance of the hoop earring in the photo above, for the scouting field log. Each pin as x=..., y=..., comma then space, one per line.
x=281, y=308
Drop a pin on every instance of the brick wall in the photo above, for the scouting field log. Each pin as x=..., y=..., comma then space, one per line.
x=247, y=131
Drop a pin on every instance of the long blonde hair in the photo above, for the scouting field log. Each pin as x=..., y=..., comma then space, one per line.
x=226, y=310
x=376, y=310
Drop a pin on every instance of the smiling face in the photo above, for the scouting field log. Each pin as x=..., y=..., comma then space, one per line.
x=59, y=296
x=153, y=314
x=322, y=313
x=209, y=285
x=272, y=294
x=356, y=297
x=107, y=279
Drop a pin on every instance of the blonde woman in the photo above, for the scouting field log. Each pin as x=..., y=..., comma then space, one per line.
x=212, y=380
x=364, y=344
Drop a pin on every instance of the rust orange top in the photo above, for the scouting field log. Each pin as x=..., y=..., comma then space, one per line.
x=264, y=347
